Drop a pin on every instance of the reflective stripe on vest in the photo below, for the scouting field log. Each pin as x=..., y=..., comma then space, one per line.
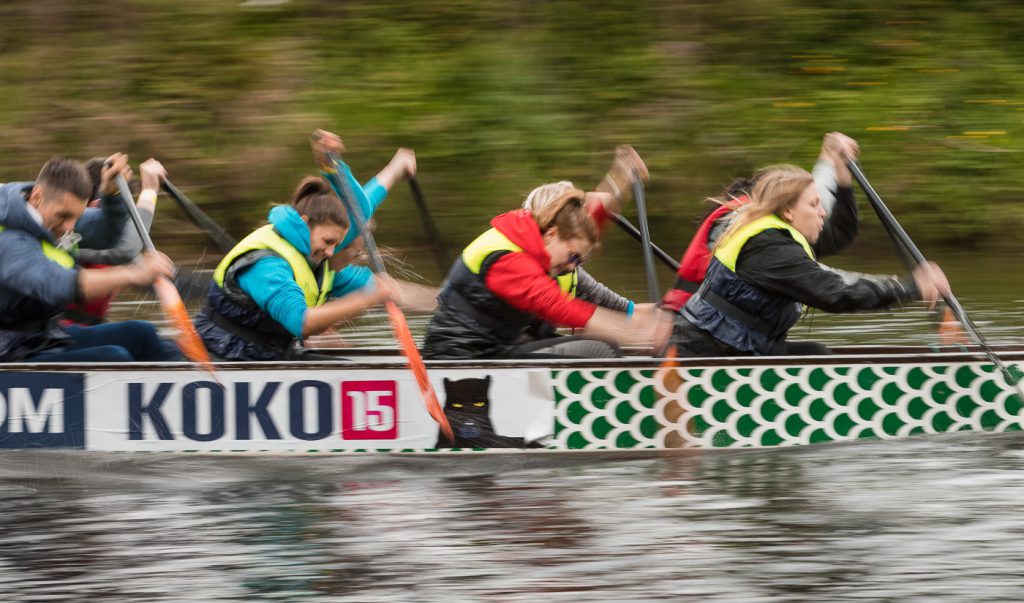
x=729, y=251
x=493, y=240
x=54, y=254
x=266, y=238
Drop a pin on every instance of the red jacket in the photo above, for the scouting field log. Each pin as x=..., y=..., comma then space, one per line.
x=694, y=264
x=521, y=278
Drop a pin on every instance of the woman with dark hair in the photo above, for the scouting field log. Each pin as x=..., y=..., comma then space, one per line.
x=764, y=270
x=277, y=286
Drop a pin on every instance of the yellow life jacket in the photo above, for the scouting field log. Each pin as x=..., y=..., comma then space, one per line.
x=729, y=251
x=493, y=240
x=266, y=238
x=54, y=254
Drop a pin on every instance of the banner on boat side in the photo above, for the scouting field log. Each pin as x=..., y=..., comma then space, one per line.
x=41, y=410
x=301, y=410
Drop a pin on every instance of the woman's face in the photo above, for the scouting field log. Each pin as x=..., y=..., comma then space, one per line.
x=566, y=254
x=807, y=215
x=322, y=240
x=348, y=255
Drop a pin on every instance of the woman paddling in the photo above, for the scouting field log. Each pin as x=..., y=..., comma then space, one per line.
x=578, y=282
x=835, y=188
x=505, y=280
x=764, y=269
x=276, y=287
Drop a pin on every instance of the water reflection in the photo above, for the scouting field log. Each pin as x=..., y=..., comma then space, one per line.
x=928, y=517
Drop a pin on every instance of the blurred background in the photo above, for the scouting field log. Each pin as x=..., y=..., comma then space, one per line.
x=498, y=97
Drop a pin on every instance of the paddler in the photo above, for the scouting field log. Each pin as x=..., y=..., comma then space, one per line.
x=39, y=277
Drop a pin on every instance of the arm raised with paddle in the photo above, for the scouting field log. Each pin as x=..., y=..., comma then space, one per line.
x=325, y=151
x=171, y=303
x=913, y=257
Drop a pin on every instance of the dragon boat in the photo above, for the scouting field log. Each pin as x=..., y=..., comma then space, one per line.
x=369, y=402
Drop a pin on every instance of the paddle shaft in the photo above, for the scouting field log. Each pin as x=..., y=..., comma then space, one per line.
x=220, y=237
x=631, y=230
x=189, y=342
x=645, y=237
x=441, y=256
x=397, y=318
x=904, y=242
x=133, y=213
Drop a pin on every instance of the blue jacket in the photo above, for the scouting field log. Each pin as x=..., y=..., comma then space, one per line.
x=101, y=227
x=33, y=289
x=270, y=303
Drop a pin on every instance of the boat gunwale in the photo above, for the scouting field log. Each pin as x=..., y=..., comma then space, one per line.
x=389, y=359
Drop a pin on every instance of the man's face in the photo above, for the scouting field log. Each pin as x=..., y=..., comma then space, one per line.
x=59, y=209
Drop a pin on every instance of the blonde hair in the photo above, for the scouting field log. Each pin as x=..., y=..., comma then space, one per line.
x=561, y=205
x=776, y=189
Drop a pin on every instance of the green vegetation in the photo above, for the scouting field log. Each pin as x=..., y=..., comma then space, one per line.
x=497, y=97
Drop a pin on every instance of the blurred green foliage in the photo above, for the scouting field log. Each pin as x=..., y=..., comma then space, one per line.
x=497, y=97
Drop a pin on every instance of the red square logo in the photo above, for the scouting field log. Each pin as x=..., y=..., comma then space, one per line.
x=369, y=410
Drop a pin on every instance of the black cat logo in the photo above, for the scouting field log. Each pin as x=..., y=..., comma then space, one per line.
x=469, y=412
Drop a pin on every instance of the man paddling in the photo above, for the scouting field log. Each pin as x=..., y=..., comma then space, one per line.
x=38, y=278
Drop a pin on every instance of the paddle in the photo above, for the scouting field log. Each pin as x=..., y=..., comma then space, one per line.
x=913, y=255
x=645, y=237
x=220, y=237
x=398, y=323
x=631, y=230
x=441, y=256
x=173, y=308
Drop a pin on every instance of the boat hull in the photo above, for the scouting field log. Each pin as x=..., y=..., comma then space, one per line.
x=373, y=404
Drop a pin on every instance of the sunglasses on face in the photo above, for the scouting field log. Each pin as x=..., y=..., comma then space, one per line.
x=577, y=259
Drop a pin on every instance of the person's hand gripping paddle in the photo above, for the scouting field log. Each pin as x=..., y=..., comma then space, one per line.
x=189, y=342
x=399, y=325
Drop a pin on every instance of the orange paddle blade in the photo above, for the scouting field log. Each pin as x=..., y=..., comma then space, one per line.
x=412, y=354
x=951, y=332
x=189, y=342
x=670, y=358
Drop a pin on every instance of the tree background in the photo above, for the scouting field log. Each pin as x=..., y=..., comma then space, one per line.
x=498, y=97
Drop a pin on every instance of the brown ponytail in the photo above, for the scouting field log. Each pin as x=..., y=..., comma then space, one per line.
x=314, y=199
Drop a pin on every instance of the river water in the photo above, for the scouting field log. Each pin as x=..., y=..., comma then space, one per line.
x=923, y=519
x=933, y=518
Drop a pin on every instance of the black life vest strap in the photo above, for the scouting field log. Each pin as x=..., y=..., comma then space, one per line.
x=732, y=311
x=687, y=285
x=261, y=339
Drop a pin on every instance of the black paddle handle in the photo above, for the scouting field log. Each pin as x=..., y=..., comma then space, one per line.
x=903, y=241
x=224, y=241
x=441, y=255
x=133, y=213
x=645, y=237
x=632, y=231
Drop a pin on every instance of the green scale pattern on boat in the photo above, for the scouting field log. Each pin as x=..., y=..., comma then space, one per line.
x=766, y=406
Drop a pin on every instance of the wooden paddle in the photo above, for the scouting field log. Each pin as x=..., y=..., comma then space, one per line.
x=915, y=258
x=189, y=342
x=645, y=237
x=398, y=323
x=224, y=241
x=441, y=255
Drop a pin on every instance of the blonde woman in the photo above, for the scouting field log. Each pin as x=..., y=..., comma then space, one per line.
x=520, y=271
x=764, y=270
